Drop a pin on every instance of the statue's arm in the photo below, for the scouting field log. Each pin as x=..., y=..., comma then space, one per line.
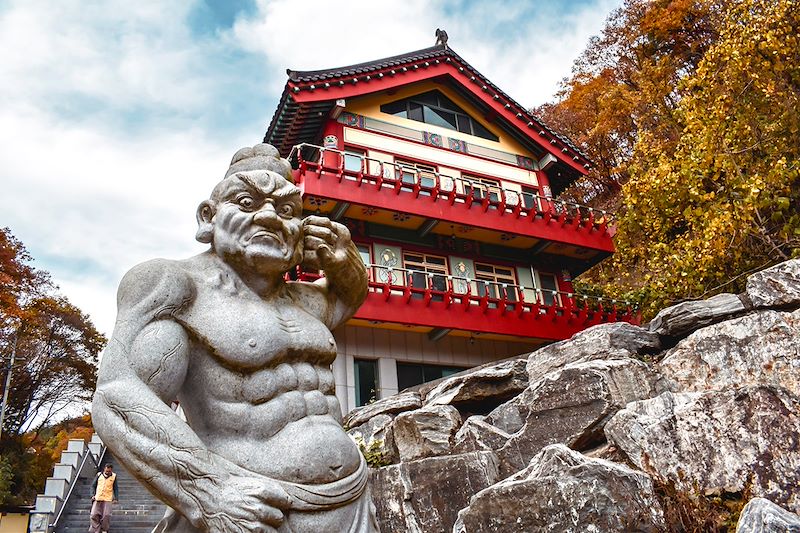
x=328, y=247
x=142, y=371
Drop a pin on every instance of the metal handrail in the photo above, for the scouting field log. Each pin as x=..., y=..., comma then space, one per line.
x=75, y=480
x=519, y=288
x=506, y=197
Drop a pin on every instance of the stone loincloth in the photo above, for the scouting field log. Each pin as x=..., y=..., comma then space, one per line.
x=305, y=498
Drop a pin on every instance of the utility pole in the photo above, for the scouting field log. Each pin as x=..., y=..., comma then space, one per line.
x=8, y=382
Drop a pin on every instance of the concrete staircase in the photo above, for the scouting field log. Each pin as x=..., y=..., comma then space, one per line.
x=65, y=505
x=138, y=511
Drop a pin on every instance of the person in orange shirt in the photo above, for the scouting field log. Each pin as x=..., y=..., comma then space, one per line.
x=105, y=492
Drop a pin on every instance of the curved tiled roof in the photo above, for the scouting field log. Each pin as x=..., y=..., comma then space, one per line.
x=287, y=109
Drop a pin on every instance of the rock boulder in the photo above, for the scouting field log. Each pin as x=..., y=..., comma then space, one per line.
x=570, y=406
x=425, y=432
x=719, y=441
x=425, y=496
x=483, y=389
x=405, y=401
x=759, y=348
x=685, y=317
x=564, y=491
x=619, y=340
x=777, y=286
x=762, y=516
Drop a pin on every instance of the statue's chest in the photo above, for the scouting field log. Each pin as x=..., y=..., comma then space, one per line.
x=248, y=335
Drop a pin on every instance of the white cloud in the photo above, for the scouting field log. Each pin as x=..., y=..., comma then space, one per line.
x=524, y=49
x=108, y=108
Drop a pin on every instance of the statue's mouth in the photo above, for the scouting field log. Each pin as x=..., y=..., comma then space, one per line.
x=266, y=236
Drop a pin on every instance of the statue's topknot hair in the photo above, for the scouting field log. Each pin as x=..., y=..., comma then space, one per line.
x=260, y=157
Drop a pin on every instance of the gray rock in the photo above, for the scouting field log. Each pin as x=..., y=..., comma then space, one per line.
x=619, y=340
x=425, y=496
x=376, y=434
x=720, y=441
x=762, y=516
x=405, y=401
x=478, y=435
x=425, y=432
x=685, y=317
x=490, y=385
x=759, y=348
x=777, y=286
x=564, y=491
x=570, y=406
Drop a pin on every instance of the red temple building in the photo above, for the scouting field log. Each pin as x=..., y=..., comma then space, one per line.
x=451, y=192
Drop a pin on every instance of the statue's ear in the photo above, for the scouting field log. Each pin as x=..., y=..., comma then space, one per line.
x=205, y=222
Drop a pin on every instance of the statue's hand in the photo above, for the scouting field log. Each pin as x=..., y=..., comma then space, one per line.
x=246, y=504
x=325, y=243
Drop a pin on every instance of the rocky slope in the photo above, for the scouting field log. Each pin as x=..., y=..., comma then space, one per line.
x=669, y=427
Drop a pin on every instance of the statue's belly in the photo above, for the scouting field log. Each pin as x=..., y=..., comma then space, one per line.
x=312, y=450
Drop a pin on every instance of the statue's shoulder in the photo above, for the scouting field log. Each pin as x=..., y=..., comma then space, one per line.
x=158, y=284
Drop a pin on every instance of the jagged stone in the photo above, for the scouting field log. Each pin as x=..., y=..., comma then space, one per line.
x=483, y=389
x=718, y=441
x=478, y=435
x=619, y=340
x=762, y=516
x=376, y=434
x=777, y=286
x=759, y=348
x=425, y=432
x=683, y=318
x=405, y=401
x=564, y=491
x=424, y=496
x=571, y=406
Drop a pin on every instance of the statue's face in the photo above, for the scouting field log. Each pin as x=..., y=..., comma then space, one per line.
x=256, y=221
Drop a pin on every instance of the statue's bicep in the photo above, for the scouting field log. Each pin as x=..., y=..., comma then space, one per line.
x=159, y=356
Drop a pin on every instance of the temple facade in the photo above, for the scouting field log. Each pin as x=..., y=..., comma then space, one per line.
x=450, y=190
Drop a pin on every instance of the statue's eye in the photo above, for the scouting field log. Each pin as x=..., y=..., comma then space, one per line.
x=286, y=210
x=246, y=202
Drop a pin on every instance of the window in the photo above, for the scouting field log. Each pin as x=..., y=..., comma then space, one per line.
x=481, y=188
x=548, y=283
x=363, y=251
x=530, y=199
x=411, y=374
x=490, y=280
x=411, y=173
x=426, y=272
x=366, y=376
x=353, y=159
x=435, y=108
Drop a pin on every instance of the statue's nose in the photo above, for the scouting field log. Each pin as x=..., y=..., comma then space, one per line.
x=267, y=217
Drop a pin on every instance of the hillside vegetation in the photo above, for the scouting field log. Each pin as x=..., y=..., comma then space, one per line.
x=689, y=109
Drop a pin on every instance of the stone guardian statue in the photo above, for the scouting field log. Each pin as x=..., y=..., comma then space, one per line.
x=247, y=354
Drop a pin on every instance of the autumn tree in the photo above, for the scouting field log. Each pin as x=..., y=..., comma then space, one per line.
x=690, y=108
x=56, y=350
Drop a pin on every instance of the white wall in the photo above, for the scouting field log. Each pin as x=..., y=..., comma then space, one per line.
x=388, y=346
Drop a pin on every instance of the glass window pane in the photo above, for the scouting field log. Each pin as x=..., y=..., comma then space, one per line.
x=352, y=161
x=439, y=117
x=408, y=375
x=415, y=111
x=366, y=377
x=395, y=108
x=480, y=131
x=463, y=124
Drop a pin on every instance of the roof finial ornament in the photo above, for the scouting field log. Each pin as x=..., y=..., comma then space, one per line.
x=441, y=38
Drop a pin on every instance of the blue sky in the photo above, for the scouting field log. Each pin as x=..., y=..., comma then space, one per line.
x=117, y=117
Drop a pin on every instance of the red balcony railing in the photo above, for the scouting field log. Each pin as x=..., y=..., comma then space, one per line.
x=341, y=176
x=414, y=297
